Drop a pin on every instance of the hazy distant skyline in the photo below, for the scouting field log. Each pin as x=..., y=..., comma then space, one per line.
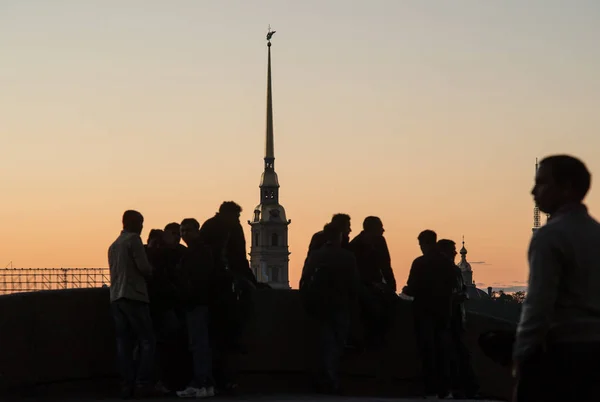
x=429, y=114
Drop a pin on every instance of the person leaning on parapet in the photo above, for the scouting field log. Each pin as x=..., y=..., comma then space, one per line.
x=129, y=268
x=464, y=381
x=329, y=288
x=557, y=346
x=378, y=291
x=430, y=283
x=318, y=239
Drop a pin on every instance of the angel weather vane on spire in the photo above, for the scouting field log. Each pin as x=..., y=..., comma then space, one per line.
x=270, y=34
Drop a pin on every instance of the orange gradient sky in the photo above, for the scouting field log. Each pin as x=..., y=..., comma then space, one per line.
x=429, y=114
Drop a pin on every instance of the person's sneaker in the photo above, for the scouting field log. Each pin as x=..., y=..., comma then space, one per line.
x=192, y=392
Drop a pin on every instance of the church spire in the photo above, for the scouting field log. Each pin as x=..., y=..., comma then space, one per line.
x=269, y=183
x=465, y=267
x=269, y=249
x=269, y=146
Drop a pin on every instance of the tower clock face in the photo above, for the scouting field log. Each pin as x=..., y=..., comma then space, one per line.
x=274, y=213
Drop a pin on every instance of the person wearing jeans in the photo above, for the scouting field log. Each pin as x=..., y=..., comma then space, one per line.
x=329, y=288
x=132, y=322
x=202, y=382
x=129, y=268
x=195, y=275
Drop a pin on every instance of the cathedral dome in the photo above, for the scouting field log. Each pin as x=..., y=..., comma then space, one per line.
x=269, y=213
x=476, y=293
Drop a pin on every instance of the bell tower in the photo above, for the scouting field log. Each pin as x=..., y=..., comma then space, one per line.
x=269, y=251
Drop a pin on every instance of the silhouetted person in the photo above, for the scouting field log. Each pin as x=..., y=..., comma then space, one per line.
x=161, y=294
x=330, y=283
x=173, y=357
x=557, y=347
x=172, y=237
x=342, y=221
x=225, y=236
x=161, y=290
x=196, y=274
x=129, y=268
x=234, y=282
x=378, y=291
x=464, y=381
x=431, y=283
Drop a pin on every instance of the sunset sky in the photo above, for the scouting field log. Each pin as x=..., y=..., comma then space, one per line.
x=429, y=114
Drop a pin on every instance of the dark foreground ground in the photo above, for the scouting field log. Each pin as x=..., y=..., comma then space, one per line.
x=283, y=388
x=259, y=398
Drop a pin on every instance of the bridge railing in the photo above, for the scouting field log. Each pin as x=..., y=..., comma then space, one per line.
x=16, y=280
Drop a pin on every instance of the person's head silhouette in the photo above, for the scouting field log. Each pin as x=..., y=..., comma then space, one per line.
x=559, y=181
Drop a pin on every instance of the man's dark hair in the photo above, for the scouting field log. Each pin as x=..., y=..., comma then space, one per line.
x=372, y=222
x=568, y=171
x=230, y=208
x=173, y=226
x=427, y=237
x=131, y=217
x=332, y=232
x=446, y=244
x=340, y=219
x=192, y=222
x=155, y=234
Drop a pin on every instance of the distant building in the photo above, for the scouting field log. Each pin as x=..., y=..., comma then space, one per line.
x=269, y=250
x=467, y=274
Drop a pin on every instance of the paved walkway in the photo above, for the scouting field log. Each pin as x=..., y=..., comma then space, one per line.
x=284, y=398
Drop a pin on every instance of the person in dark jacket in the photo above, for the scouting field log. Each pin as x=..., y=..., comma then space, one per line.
x=378, y=285
x=431, y=284
x=319, y=239
x=464, y=380
x=234, y=284
x=195, y=273
x=224, y=234
x=161, y=289
x=174, y=359
x=163, y=301
x=330, y=278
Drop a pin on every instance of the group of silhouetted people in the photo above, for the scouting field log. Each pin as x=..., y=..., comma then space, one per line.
x=436, y=286
x=340, y=275
x=179, y=311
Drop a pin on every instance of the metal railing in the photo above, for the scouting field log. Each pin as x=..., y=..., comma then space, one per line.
x=15, y=280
